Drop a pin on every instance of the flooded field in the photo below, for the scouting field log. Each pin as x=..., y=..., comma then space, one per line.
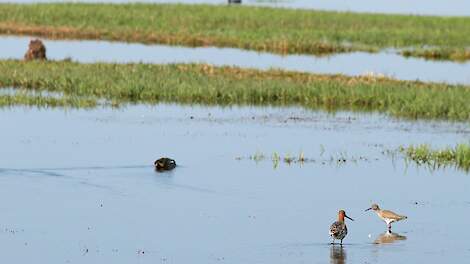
x=252, y=184
x=420, y=7
x=79, y=187
x=384, y=63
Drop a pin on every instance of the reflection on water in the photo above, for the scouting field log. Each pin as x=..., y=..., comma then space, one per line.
x=386, y=63
x=389, y=238
x=337, y=255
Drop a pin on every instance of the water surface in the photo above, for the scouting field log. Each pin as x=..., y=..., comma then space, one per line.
x=78, y=187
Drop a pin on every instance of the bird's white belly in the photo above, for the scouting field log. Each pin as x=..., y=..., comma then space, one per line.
x=387, y=220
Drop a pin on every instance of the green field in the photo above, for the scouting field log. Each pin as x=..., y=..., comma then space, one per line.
x=256, y=28
x=205, y=84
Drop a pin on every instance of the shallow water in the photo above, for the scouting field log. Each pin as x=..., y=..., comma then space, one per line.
x=386, y=63
x=78, y=186
x=419, y=7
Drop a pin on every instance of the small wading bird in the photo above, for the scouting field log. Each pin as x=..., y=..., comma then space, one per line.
x=387, y=216
x=338, y=229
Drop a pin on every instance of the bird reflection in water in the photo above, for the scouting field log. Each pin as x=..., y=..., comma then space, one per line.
x=337, y=255
x=388, y=238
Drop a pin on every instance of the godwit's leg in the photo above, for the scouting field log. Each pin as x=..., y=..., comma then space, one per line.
x=389, y=227
x=341, y=243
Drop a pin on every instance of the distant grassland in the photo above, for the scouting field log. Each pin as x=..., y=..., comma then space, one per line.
x=205, y=84
x=256, y=28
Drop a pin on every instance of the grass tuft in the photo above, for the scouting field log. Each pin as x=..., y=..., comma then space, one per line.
x=458, y=156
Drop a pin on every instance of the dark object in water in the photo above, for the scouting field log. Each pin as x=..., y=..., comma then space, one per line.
x=36, y=50
x=234, y=1
x=163, y=164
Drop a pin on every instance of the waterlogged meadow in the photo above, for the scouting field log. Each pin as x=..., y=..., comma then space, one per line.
x=205, y=84
x=378, y=64
x=293, y=31
x=265, y=158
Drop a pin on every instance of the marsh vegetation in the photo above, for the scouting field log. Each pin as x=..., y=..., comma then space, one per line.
x=458, y=156
x=276, y=158
x=293, y=31
x=205, y=84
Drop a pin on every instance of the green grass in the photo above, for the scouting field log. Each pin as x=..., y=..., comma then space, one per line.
x=257, y=28
x=425, y=155
x=205, y=84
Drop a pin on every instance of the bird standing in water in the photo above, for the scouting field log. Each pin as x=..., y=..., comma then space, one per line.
x=338, y=229
x=387, y=216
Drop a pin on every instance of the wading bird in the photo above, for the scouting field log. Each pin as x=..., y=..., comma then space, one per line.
x=387, y=216
x=338, y=229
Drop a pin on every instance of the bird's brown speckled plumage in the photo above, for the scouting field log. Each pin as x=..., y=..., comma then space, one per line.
x=339, y=230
